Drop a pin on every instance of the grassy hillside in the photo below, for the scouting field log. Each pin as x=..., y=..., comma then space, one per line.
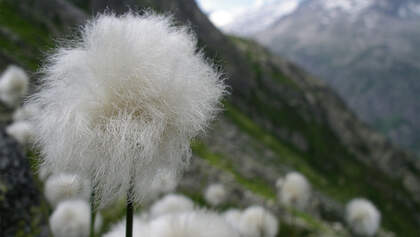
x=278, y=119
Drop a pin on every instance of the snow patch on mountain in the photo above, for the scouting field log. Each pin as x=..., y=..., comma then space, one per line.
x=252, y=20
x=347, y=5
x=410, y=10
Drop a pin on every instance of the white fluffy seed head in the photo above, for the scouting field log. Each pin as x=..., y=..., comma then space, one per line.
x=215, y=194
x=71, y=218
x=171, y=203
x=43, y=173
x=25, y=113
x=295, y=191
x=125, y=101
x=22, y=132
x=140, y=229
x=279, y=182
x=191, y=224
x=164, y=183
x=14, y=84
x=99, y=221
x=233, y=217
x=64, y=186
x=256, y=221
x=362, y=217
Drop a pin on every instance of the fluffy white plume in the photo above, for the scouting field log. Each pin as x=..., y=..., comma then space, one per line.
x=279, y=182
x=171, y=203
x=191, y=224
x=64, y=186
x=71, y=219
x=43, y=173
x=258, y=222
x=164, y=183
x=22, y=131
x=233, y=217
x=124, y=102
x=140, y=229
x=215, y=194
x=99, y=221
x=295, y=191
x=14, y=84
x=26, y=112
x=363, y=217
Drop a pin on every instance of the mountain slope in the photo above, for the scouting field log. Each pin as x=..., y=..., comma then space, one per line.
x=367, y=50
x=277, y=119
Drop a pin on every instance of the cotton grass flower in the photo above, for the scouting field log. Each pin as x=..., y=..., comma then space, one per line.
x=71, y=219
x=215, y=194
x=25, y=113
x=233, y=217
x=14, y=84
x=191, y=224
x=295, y=191
x=140, y=229
x=43, y=173
x=279, y=182
x=21, y=131
x=125, y=101
x=171, y=203
x=164, y=183
x=99, y=221
x=64, y=186
x=362, y=217
x=256, y=221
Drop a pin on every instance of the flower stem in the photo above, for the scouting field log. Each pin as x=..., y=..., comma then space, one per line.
x=92, y=214
x=129, y=214
x=129, y=217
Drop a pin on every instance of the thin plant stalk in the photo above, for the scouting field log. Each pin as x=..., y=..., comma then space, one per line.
x=129, y=219
x=92, y=214
x=129, y=212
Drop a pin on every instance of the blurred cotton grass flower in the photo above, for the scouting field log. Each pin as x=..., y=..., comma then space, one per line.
x=295, y=191
x=71, y=218
x=198, y=223
x=25, y=113
x=21, y=131
x=215, y=194
x=233, y=217
x=363, y=217
x=140, y=229
x=257, y=221
x=60, y=187
x=124, y=101
x=171, y=203
x=14, y=85
x=164, y=183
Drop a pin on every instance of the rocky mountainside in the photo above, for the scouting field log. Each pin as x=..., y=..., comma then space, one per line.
x=277, y=119
x=368, y=50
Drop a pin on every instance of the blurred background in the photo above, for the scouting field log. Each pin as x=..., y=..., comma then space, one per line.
x=327, y=88
x=367, y=50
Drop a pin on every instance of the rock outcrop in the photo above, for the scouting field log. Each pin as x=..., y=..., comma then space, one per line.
x=21, y=205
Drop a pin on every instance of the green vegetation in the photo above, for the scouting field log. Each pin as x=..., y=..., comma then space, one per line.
x=22, y=37
x=255, y=185
x=327, y=163
x=347, y=179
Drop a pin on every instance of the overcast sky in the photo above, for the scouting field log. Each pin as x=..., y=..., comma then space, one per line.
x=222, y=12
